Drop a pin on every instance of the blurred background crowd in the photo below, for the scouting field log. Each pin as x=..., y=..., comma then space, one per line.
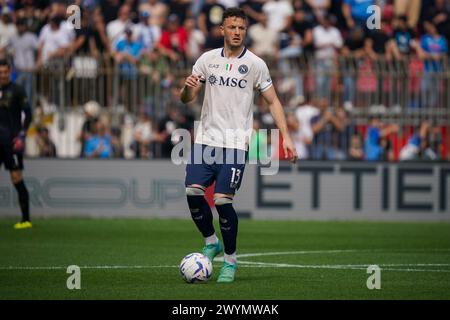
x=357, y=83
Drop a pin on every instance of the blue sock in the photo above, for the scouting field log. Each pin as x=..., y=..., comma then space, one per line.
x=228, y=221
x=201, y=214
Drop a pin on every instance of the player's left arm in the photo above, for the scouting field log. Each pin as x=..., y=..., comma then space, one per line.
x=276, y=109
x=24, y=106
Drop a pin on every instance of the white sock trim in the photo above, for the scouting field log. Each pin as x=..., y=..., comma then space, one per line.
x=230, y=258
x=211, y=239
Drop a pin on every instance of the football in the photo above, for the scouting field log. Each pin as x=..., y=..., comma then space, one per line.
x=196, y=268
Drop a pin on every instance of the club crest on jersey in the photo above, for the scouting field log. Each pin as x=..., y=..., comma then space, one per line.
x=243, y=69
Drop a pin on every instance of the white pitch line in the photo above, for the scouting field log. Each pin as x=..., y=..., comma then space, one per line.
x=250, y=264
x=282, y=253
x=341, y=267
x=85, y=267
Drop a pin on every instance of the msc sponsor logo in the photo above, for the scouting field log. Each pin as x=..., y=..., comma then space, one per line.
x=227, y=82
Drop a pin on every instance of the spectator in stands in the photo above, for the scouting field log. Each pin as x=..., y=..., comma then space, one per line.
x=214, y=39
x=434, y=48
x=116, y=143
x=353, y=51
x=24, y=46
x=230, y=3
x=210, y=15
x=301, y=134
x=163, y=138
x=98, y=145
x=279, y=13
x=304, y=28
x=33, y=15
x=379, y=43
x=356, y=12
x=196, y=41
x=157, y=10
x=342, y=134
x=91, y=112
x=327, y=41
x=115, y=30
x=404, y=39
x=102, y=43
x=328, y=130
x=180, y=8
x=439, y=14
x=54, y=41
x=142, y=135
x=377, y=139
x=146, y=34
x=423, y=144
x=173, y=40
x=253, y=9
x=356, y=152
x=290, y=50
x=380, y=49
x=319, y=7
x=46, y=147
x=7, y=28
x=59, y=8
x=133, y=4
x=85, y=43
x=302, y=123
x=109, y=9
x=410, y=9
x=127, y=54
x=264, y=40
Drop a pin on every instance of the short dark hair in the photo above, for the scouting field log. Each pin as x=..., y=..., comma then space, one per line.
x=4, y=62
x=234, y=12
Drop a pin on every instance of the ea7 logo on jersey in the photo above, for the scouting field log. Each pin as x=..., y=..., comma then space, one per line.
x=227, y=82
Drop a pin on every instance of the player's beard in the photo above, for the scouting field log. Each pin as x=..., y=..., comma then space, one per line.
x=232, y=46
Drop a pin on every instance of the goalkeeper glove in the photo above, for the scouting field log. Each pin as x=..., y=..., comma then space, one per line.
x=19, y=142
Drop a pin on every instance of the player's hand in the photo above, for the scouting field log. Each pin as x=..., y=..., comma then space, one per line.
x=193, y=81
x=290, y=152
x=19, y=143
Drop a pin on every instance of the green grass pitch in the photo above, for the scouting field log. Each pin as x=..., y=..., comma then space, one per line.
x=138, y=259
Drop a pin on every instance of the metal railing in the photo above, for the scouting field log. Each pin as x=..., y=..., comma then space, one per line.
x=405, y=92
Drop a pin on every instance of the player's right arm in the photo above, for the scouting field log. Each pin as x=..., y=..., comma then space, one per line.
x=191, y=88
x=193, y=83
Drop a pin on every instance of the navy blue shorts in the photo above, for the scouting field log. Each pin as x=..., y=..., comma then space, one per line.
x=213, y=164
x=12, y=160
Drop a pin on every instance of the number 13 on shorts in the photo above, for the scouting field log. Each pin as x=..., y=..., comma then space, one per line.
x=235, y=177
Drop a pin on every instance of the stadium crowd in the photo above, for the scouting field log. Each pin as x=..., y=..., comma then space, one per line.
x=158, y=38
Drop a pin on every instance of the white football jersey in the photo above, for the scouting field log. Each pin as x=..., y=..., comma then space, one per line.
x=227, y=113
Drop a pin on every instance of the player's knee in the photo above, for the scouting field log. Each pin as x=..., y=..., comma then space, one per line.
x=193, y=191
x=220, y=201
x=16, y=177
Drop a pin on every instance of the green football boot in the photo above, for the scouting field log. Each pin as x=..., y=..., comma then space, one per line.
x=212, y=250
x=227, y=272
